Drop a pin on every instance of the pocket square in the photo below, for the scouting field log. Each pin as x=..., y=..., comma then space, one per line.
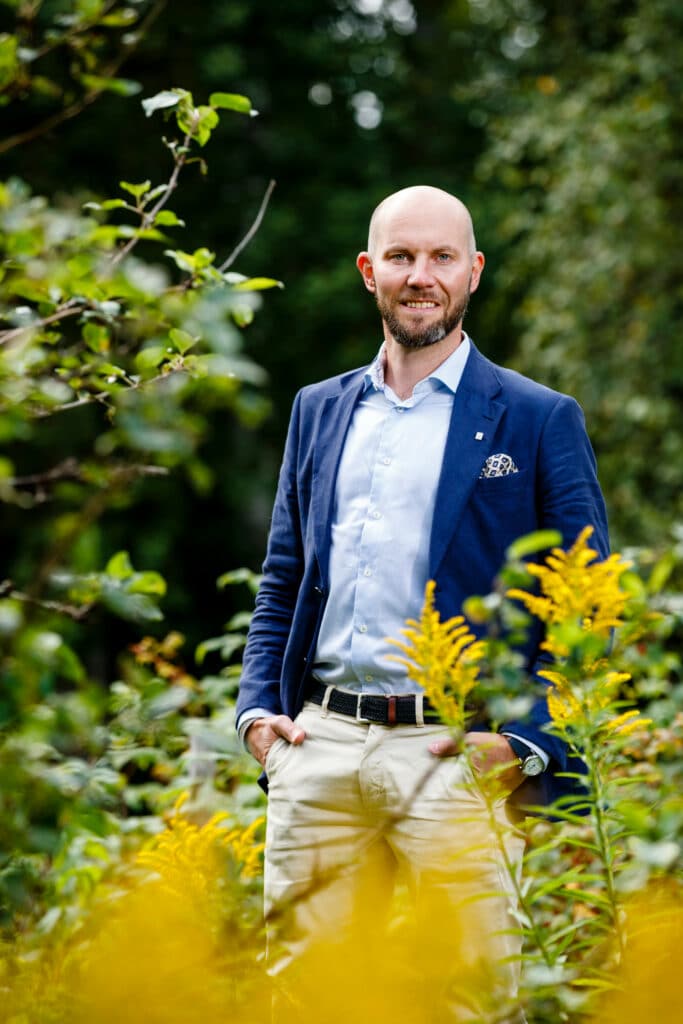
x=498, y=465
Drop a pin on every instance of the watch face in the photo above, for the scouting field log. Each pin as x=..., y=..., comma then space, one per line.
x=533, y=765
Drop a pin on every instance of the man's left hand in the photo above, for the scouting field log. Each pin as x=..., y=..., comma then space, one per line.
x=490, y=755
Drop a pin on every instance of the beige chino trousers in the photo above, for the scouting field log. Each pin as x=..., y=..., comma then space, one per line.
x=351, y=811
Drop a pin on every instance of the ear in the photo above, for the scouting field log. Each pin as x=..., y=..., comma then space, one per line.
x=478, y=262
x=364, y=264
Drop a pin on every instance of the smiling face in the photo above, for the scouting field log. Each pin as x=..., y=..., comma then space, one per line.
x=421, y=266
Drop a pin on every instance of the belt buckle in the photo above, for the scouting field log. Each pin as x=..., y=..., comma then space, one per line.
x=359, y=701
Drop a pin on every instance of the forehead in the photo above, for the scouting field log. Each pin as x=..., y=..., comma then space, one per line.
x=426, y=225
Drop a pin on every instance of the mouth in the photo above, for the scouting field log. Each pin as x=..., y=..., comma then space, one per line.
x=421, y=305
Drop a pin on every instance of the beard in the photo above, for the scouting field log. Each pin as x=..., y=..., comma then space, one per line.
x=417, y=336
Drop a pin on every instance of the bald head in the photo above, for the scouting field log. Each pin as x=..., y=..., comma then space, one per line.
x=427, y=202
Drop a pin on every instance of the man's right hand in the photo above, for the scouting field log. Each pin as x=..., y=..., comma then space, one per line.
x=263, y=732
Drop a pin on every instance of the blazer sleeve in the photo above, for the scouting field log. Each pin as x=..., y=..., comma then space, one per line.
x=276, y=599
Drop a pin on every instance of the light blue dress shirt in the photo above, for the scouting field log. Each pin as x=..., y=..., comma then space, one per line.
x=382, y=524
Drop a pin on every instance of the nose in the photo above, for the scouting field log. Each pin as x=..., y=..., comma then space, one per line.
x=421, y=275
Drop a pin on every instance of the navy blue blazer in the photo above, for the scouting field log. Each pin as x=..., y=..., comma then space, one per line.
x=475, y=521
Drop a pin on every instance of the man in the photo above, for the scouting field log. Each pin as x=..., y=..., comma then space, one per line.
x=426, y=465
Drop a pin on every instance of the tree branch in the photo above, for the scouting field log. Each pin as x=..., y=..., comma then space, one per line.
x=79, y=105
x=149, y=216
x=75, y=612
x=60, y=314
x=251, y=232
x=102, y=396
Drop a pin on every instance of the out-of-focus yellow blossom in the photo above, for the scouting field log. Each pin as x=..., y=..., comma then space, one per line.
x=647, y=986
x=443, y=657
x=576, y=588
x=588, y=706
x=189, y=857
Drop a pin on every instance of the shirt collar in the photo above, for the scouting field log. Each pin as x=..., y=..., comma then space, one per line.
x=448, y=373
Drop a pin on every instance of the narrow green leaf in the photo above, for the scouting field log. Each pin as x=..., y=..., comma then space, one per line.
x=539, y=540
x=257, y=284
x=231, y=101
x=113, y=204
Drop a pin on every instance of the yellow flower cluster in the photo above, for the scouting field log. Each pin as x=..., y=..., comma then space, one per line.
x=190, y=857
x=589, y=706
x=443, y=657
x=576, y=588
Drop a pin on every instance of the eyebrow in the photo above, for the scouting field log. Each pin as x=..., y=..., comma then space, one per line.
x=445, y=247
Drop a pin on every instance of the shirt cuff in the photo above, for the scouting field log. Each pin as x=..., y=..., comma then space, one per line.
x=544, y=756
x=246, y=719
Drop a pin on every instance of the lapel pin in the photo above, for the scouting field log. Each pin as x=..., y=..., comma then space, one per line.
x=479, y=436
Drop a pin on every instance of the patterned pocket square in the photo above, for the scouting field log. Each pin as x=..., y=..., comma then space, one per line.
x=498, y=465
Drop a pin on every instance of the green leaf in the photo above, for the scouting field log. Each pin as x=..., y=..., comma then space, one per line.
x=96, y=337
x=161, y=101
x=531, y=543
x=167, y=218
x=119, y=566
x=183, y=260
x=152, y=583
x=120, y=86
x=242, y=315
x=108, y=204
x=137, y=191
x=257, y=284
x=150, y=357
x=228, y=579
x=231, y=101
x=181, y=340
x=133, y=607
x=203, y=121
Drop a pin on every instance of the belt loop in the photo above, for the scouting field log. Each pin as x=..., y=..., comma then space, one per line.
x=419, y=710
x=326, y=700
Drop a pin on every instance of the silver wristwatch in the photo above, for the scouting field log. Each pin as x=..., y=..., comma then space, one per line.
x=530, y=762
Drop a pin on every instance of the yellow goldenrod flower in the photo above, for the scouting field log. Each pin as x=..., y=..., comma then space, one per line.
x=588, y=706
x=189, y=858
x=443, y=657
x=576, y=588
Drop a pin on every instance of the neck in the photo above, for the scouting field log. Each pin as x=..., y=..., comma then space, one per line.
x=405, y=367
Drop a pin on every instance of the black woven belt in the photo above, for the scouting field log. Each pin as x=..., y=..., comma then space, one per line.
x=372, y=707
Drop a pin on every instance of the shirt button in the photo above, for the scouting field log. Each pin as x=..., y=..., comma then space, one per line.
x=387, y=462
x=368, y=572
x=369, y=678
x=376, y=514
x=363, y=628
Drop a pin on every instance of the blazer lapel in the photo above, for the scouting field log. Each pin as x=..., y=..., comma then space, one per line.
x=332, y=426
x=473, y=424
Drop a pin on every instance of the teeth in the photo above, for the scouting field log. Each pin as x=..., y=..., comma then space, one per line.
x=421, y=305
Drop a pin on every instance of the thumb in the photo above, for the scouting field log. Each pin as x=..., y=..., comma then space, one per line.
x=285, y=727
x=444, y=748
